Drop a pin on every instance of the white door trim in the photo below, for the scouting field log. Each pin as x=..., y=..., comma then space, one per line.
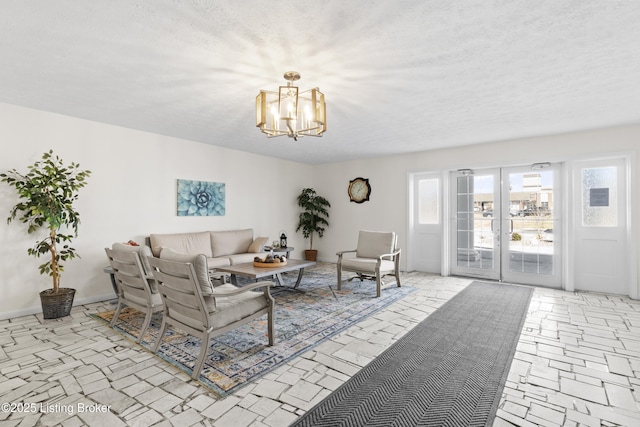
x=446, y=223
x=632, y=217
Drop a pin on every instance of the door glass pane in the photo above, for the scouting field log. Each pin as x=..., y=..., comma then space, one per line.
x=531, y=222
x=474, y=213
x=428, y=201
x=599, y=197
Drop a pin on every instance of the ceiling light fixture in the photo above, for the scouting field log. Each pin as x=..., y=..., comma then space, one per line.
x=290, y=112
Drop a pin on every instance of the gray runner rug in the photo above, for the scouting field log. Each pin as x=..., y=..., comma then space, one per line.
x=449, y=370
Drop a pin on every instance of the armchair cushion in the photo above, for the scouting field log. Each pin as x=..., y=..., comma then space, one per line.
x=156, y=299
x=237, y=307
x=143, y=250
x=367, y=265
x=199, y=264
x=372, y=244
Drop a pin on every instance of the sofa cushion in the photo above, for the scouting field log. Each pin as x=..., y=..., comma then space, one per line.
x=257, y=245
x=230, y=242
x=199, y=262
x=186, y=243
x=242, y=258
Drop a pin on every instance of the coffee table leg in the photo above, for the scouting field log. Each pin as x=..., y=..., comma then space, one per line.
x=234, y=280
x=279, y=279
x=300, y=273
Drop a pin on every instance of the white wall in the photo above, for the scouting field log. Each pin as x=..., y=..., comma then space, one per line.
x=131, y=193
x=387, y=209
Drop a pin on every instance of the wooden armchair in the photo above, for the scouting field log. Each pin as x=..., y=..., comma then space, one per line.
x=376, y=256
x=193, y=305
x=136, y=288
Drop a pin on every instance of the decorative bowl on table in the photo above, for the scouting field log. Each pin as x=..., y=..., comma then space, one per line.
x=270, y=261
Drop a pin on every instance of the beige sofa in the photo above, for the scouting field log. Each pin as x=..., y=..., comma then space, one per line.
x=222, y=248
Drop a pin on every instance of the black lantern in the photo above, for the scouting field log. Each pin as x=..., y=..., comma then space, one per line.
x=283, y=240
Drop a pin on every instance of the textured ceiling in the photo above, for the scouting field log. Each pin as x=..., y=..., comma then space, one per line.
x=398, y=76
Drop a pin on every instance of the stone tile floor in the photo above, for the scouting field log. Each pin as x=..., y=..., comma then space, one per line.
x=577, y=364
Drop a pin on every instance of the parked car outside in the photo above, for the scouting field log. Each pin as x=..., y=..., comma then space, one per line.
x=526, y=212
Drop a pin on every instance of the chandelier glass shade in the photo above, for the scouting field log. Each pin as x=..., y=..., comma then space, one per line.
x=291, y=112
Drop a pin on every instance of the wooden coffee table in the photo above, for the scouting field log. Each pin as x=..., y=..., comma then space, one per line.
x=248, y=270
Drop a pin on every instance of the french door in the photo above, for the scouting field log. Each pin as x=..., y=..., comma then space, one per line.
x=506, y=224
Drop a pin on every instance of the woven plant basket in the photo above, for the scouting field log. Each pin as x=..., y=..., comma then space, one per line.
x=311, y=254
x=57, y=305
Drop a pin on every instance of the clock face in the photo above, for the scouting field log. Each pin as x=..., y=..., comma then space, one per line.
x=359, y=190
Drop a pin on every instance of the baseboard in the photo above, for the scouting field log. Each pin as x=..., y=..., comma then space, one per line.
x=38, y=309
x=97, y=298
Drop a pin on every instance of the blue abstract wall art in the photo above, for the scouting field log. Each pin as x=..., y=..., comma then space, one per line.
x=201, y=198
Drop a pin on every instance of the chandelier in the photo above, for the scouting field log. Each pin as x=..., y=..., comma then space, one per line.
x=290, y=112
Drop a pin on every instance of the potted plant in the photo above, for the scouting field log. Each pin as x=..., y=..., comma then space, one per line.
x=313, y=219
x=46, y=195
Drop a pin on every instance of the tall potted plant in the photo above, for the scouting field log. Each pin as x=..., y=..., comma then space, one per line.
x=46, y=193
x=313, y=218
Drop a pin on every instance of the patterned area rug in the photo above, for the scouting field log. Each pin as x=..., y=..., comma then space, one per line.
x=303, y=319
x=449, y=370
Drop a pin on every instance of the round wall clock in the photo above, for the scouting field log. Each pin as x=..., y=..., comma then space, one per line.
x=359, y=190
